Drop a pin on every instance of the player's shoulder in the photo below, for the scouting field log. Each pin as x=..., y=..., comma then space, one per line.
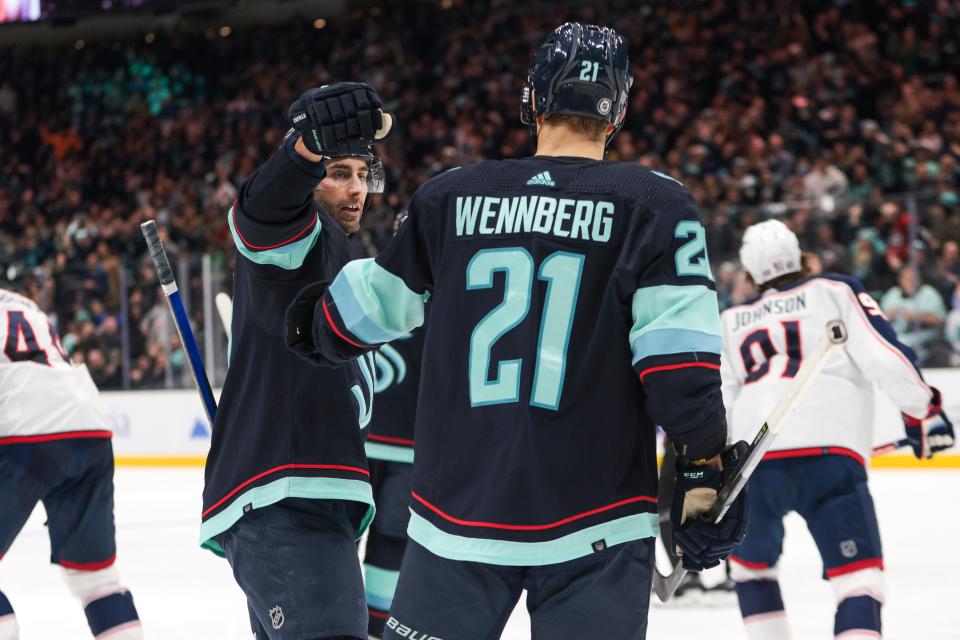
x=9, y=298
x=829, y=281
x=451, y=179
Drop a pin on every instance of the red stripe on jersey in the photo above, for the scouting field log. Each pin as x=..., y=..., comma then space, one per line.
x=337, y=467
x=88, y=566
x=391, y=440
x=530, y=527
x=813, y=451
x=682, y=365
x=326, y=312
x=748, y=564
x=376, y=613
x=267, y=247
x=63, y=435
x=859, y=565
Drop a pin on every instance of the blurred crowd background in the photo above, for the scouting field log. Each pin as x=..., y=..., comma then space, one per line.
x=840, y=118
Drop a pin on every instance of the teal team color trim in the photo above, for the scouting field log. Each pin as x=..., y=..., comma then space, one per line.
x=531, y=554
x=289, y=487
x=380, y=585
x=691, y=308
x=380, y=451
x=661, y=342
x=289, y=256
x=376, y=306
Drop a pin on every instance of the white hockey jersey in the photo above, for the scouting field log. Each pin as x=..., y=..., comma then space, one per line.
x=765, y=342
x=41, y=393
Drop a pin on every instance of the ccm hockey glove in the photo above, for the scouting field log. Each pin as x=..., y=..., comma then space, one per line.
x=340, y=119
x=933, y=433
x=701, y=544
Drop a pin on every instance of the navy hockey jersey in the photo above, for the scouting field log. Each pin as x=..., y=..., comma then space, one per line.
x=284, y=429
x=573, y=309
x=396, y=386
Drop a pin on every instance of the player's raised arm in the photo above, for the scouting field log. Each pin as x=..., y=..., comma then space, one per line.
x=274, y=220
x=882, y=358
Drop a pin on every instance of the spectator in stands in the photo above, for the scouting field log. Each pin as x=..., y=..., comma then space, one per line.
x=916, y=312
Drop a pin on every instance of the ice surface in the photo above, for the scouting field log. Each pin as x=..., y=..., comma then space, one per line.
x=186, y=593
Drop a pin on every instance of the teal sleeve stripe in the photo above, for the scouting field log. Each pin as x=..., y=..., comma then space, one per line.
x=289, y=256
x=690, y=307
x=380, y=585
x=531, y=554
x=381, y=451
x=661, y=342
x=376, y=306
x=289, y=487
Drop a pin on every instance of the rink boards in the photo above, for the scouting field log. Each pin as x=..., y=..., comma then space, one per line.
x=168, y=428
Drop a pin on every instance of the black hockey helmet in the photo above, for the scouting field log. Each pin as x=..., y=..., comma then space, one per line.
x=581, y=70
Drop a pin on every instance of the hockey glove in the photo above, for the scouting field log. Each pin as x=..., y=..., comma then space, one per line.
x=701, y=544
x=933, y=433
x=340, y=119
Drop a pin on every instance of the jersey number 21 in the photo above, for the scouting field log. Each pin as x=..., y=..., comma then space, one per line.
x=561, y=271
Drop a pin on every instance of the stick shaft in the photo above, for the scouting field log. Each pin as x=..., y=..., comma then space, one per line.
x=180, y=318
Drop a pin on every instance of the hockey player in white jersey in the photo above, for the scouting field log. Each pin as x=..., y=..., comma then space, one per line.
x=817, y=464
x=55, y=448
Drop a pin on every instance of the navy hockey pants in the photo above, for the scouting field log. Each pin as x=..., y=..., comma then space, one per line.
x=604, y=595
x=830, y=492
x=74, y=480
x=296, y=561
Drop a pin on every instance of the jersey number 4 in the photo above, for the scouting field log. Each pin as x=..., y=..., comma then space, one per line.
x=758, y=365
x=22, y=344
x=561, y=271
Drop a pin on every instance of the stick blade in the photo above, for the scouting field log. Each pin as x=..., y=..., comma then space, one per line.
x=666, y=585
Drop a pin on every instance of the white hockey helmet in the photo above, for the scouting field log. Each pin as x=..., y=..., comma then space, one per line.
x=769, y=250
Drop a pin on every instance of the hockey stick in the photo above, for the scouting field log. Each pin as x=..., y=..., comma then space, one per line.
x=890, y=446
x=836, y=334
x=180, y=318
x=225, y=311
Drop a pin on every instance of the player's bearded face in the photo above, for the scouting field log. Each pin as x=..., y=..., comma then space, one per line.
x=342, y=192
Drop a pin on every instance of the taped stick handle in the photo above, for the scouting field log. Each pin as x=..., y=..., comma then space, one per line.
x=155, y=246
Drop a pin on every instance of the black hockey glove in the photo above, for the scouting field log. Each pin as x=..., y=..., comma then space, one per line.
x=340, y=119
x=933, y=433
x=704, y=545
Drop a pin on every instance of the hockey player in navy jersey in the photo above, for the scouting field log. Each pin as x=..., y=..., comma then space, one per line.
x=287, y=489
x=817, y=464
x=55, y=448
x=572, y=309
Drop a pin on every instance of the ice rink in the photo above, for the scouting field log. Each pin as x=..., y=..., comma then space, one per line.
x=183, y=592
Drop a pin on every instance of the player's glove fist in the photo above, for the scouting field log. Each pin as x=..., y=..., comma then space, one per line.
x=700, y=543
x=340, y=119
x=933, y=433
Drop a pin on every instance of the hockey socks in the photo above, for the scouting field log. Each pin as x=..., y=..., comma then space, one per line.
x=762, y=609
x=380, y=585
x=114, y=616
x=858, y=618
x=8, y=621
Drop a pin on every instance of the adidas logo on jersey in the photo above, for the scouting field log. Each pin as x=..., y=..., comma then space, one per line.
x=542, y=178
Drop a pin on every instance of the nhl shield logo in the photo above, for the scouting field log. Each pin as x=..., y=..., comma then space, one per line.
x=276, y=617
x=604, y=106
x=848, y=548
